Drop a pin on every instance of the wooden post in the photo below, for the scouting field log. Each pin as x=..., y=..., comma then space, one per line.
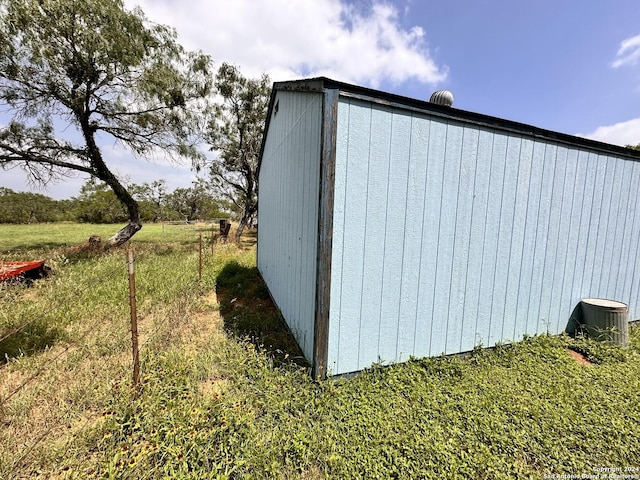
x=224, y=229
x=212, y=237
x=200, y=259
x=134, y=323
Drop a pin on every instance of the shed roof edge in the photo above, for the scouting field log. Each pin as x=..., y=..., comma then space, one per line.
x=320, y=84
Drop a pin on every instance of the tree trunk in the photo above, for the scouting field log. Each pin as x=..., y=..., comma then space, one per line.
x=247, y=219
x=102, y=172
x=241, y=227
x=135, y=223
x=123, y=235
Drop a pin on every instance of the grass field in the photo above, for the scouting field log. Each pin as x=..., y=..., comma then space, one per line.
x=226, y=394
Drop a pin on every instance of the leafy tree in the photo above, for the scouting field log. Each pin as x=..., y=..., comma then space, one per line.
x=151, y=198
x=236, y=133
x=26, y=207
x=73, y=72
x=633, y=147
x=194, y=203
x=99, y=204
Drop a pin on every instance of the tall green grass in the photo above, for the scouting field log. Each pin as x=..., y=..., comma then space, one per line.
x=72, y=339
x=40, y=239
x=223, y=395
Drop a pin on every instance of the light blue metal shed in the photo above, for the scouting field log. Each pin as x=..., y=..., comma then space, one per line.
x=391, y=227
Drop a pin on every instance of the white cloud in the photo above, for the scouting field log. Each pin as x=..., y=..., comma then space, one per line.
x=365, y=45
x=628, y=53
x=622, y=133
x=345, y=41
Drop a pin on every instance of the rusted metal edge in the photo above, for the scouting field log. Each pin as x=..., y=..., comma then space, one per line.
x=325, y=232
x=13, y=269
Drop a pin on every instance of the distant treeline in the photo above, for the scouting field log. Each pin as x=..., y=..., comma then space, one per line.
x=98, y=204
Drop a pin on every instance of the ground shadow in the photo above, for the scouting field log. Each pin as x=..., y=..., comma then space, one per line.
x=34, y=246
x=575, y=322
x=33, y=338
x=248, y=312
x=30, y=335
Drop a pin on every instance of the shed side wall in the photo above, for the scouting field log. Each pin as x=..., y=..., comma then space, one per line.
x=447, y=236
x=288, y=210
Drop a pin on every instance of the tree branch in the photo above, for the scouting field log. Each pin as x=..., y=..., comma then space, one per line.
x=19, y=156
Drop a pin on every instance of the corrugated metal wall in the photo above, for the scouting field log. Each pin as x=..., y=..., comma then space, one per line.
x=288, y=210
x=449, y=235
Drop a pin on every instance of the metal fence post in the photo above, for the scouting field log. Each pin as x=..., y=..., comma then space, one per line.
x=212, y=238
x=134, y=322
x=200, y=258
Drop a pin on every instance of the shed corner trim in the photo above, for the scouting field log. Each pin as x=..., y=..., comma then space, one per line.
x=325, y=231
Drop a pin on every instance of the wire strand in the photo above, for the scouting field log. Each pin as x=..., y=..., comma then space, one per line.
x=60, y=303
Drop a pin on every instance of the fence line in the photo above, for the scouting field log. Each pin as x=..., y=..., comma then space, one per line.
x=216, y=229
x=181, y=227
x=152, y=335
x=17, y=463
x=60, y=303
x=78, y=293
x=134, y=321
x=136, y=349
x=39, y=370
x=27, y=451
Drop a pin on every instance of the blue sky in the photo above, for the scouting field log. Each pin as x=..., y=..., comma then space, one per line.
x=565, y=65
x=547, y=63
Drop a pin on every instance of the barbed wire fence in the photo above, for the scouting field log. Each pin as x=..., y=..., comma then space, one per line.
x=215, y=228
x=50, y=363
x=205, y=244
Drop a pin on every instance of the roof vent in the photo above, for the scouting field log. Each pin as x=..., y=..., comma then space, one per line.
x=442, y=97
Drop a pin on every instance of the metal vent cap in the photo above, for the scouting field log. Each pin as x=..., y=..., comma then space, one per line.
x=442, y=97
